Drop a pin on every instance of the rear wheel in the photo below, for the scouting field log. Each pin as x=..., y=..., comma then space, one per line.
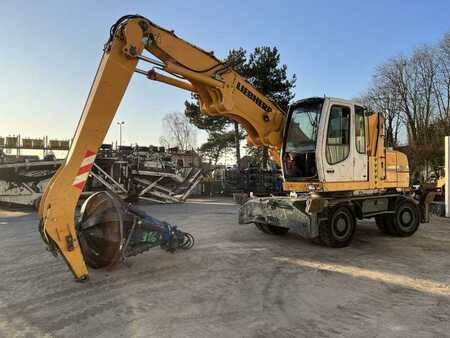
x=339, y=230
x=406, y=220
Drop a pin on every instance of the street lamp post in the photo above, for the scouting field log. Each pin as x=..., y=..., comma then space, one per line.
x=120, y=132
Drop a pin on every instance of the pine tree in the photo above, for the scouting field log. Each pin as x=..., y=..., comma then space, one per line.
x=263, y=70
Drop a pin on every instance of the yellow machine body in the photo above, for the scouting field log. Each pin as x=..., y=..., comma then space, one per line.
x=222, y=92
x=386, y=168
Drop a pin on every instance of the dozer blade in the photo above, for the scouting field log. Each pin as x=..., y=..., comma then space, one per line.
x=109, y=231
x=285, y=212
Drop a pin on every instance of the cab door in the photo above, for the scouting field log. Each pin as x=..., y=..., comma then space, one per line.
x=360, y=162
x=337, y=152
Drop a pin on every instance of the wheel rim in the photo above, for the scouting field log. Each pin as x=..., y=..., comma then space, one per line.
x=341, y=226
x=406, y=219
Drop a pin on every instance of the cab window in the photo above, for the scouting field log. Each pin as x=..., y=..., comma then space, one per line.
x=338, y=134
x=360, y=131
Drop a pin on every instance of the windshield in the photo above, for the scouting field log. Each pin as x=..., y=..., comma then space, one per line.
x=302, y=132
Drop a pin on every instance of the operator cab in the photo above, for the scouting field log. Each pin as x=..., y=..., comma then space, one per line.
x=325, y=141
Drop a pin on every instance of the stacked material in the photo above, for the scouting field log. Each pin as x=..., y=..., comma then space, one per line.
x=133, y=173
x=230, y=181
x=166, y=187
x=146, y=173
x=22, y=183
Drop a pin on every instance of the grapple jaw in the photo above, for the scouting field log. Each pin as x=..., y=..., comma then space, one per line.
x=109, y=231
x=101, y=229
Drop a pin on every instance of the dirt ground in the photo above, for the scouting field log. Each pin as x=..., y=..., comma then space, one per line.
x=236, y=282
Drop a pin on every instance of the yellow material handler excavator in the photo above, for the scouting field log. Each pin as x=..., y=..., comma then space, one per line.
x=332, y=154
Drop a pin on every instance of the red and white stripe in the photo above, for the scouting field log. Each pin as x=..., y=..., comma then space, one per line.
x=85, y=168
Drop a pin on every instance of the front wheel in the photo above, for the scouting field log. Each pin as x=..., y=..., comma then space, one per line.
x=339, y=230
x=406, y=220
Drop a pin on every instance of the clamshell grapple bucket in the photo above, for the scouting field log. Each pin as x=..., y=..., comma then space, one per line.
x=110, y=230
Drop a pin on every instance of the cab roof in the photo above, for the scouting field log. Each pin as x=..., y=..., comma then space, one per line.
x=321, y=99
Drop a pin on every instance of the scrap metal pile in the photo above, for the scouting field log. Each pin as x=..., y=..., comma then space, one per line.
x=147, y=173
x=23, y=180
x=229, y=181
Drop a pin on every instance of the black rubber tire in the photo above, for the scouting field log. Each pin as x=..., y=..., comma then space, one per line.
x=406, y=219
x=330, y=232
x=275, y=230
x=384, y=224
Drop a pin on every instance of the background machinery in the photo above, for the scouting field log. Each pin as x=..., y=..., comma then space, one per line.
x=133, y=173
x=332, y=154
x=437, y=180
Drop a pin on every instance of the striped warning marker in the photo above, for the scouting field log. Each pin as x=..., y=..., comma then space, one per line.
x=85, y=168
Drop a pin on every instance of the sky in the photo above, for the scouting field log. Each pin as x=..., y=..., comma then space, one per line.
x=50, y=51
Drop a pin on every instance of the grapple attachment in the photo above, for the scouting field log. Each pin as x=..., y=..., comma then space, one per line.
x=109, y=231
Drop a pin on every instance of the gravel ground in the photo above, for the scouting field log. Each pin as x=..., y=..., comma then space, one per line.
x=236, y=282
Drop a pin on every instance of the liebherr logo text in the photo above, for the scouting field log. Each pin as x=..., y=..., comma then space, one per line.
x=253, y=97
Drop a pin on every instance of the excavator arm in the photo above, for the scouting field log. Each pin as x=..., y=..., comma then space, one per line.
x=221, y=91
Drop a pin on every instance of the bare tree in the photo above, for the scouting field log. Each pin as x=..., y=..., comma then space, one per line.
x=414, y=90
x=179, y=132
x=381, y=97
x=164, y=142
x=411, y=80
x=441, y=86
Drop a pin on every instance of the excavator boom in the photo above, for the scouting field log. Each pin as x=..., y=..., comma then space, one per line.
x=221, y=91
